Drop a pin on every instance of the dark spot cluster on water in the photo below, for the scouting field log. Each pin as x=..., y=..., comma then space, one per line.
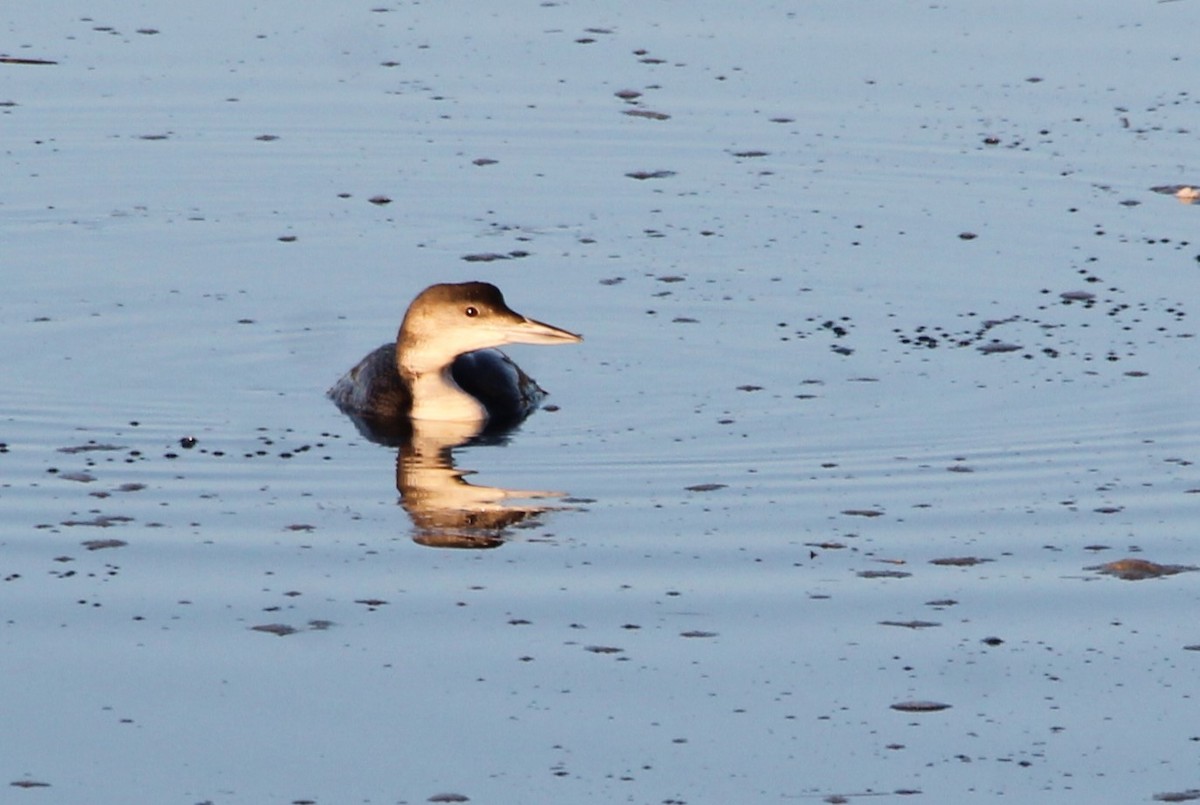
x=139, y=467
x=133, y=466
x=1050, y=329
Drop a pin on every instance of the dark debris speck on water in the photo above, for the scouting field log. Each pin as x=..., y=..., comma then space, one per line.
x=647, y=113
x=100, y=521
x=920, y=706
x=883, y=574
x=863, y=512
x=279, y=629
x=89, y=447
x=491, y=257
x=1189, y=795
x=993, y=347
x=1139, y=569
x=371, y=603
x=102, y=544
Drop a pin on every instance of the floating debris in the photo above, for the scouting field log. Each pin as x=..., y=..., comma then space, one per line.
x=643, y=175
x=102, y=544
x=704, y=487
x=911, y=624
x=89, y=447
x=488, y=257
x=646, y=113
x=863, y=512
x=280, y=629
x=920, y=707
x=1139, y=569
x=1178, y=796
x=15, y=60
x=998, y=346
x=959, y=561
x=100, y=521
x=883, y=574
x=697, y=633
x=603, y=649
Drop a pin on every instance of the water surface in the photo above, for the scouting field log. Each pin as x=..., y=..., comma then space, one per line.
x=836, y=441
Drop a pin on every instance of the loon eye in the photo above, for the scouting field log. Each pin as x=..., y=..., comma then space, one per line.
x=471, y=311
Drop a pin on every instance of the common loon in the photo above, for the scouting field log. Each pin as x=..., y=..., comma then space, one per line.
x=443, y=365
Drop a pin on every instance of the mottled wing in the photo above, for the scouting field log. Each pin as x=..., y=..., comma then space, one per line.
x=373, y=387
x=491, y=377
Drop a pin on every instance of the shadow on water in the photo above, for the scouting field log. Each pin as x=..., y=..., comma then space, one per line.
x=446, y=510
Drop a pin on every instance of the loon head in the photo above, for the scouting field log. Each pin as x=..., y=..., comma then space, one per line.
x=449, y=320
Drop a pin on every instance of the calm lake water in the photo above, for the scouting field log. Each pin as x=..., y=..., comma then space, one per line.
x=886, y=403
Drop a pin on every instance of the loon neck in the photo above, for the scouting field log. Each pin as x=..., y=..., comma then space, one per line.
x=435, y=395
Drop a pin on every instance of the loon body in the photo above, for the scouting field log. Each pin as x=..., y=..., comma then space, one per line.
x=443, y=364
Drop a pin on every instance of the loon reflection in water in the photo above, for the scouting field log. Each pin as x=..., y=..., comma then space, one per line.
x=443, y=365
x=446, y=510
